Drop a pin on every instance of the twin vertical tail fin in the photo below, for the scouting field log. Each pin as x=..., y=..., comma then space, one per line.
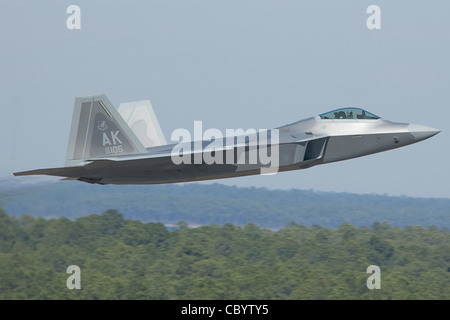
x=99, y=131
x=141, y=118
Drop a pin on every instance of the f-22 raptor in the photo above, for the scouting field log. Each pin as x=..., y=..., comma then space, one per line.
x=127, y=146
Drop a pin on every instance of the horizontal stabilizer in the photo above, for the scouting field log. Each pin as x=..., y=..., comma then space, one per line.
x=60, y=172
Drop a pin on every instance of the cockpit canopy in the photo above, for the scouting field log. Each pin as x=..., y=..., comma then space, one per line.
x=349, y=113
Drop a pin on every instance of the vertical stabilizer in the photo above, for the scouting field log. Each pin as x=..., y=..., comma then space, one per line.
x=141, y=118
x=98, y=131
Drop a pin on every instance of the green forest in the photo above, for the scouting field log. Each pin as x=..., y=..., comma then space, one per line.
x=121, y=258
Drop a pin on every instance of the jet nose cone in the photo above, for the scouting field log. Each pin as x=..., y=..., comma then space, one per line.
x=421, y=132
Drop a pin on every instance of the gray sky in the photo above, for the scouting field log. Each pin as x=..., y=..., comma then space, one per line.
x=233, y=64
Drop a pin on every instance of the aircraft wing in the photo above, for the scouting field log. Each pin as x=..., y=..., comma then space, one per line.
x=158, y=166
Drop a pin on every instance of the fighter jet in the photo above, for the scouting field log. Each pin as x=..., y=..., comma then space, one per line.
x=127, y=146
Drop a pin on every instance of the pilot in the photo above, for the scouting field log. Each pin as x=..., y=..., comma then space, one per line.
x=339, y=115
x=362, y=115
